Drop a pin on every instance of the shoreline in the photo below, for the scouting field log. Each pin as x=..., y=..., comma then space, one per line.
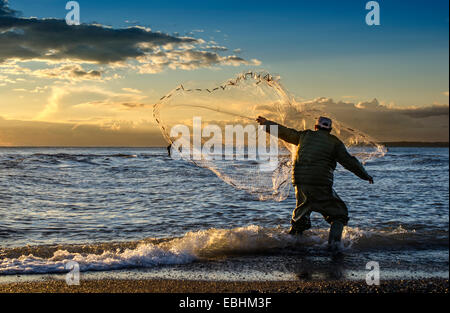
x=389, y=144
x=427, y=285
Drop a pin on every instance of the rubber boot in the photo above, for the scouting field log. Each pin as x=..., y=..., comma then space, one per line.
x=335, y=235
x=297, y=228
x=295, y=232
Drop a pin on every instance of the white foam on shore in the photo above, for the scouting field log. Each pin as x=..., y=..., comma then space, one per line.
x=190, y=247
x=196, y=245
x=147, y=255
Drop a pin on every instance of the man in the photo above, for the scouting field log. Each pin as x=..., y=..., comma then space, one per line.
x=312, y=176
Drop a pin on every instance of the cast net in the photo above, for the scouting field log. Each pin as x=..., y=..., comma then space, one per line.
x=214, y=127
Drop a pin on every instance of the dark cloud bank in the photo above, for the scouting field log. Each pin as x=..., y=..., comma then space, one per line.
x=53, y=40
x=429, y=123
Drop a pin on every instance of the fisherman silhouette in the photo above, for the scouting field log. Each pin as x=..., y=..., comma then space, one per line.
x=315, y=161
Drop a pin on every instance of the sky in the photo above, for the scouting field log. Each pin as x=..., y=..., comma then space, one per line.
x=94, y=84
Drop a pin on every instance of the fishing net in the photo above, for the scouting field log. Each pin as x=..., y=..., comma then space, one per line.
x=214, y=127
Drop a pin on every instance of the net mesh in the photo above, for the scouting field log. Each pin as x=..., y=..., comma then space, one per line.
x=214, y=127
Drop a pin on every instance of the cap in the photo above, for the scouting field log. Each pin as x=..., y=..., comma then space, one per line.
x=324, y=122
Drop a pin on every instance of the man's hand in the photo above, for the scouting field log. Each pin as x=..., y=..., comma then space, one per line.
x=261, y=120
x=370, y=180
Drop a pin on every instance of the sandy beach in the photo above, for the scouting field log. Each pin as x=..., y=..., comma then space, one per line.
x=431, y=285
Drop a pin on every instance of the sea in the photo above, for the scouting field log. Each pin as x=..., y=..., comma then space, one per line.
x=136, y=213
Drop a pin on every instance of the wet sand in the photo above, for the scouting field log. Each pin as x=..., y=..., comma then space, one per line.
x=430, y=285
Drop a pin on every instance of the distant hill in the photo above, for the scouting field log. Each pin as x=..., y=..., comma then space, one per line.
x=415, y=144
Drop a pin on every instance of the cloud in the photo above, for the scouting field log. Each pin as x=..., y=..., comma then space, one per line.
x=133, y=90
x=5, y=79
x=216, y=48
x=388, y=123
x=5, y=10
x=421, y=112
x=188, y=60
x=51, y=40
x=112, y=133
x=85, y=102
x=35, y=90
x=68, y=72
x=135, y=105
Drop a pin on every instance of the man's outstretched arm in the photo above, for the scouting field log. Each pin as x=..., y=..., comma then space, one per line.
x=351, y=163
x=287, y=134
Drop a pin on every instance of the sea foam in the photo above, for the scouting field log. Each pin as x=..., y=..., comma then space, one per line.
x=196, y=245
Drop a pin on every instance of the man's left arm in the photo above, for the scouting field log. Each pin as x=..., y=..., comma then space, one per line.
x=351, y=163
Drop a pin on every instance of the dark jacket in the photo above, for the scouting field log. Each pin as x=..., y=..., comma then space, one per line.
x=316, y=156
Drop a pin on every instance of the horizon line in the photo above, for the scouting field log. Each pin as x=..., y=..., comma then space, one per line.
x=387, y=143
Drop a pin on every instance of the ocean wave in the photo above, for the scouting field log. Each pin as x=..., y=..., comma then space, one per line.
x=57, y=158
x=430, y=161
x=11, y=164
x=203, y=244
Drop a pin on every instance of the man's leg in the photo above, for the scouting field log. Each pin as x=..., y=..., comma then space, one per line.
x=338, y=220
x=335, y=235
x=335, y=212
x=301, y=215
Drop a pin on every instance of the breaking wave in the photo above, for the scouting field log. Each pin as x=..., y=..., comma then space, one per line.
x=204, y=245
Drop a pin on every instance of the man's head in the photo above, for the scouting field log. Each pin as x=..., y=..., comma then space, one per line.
x=323, y=123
